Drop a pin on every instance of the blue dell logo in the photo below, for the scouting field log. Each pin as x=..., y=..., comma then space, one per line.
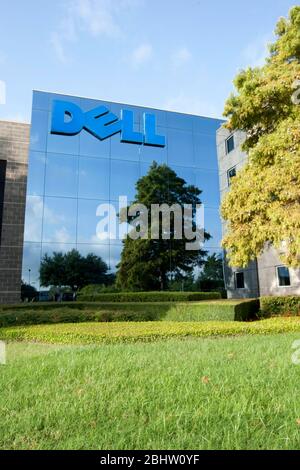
x=69, y=119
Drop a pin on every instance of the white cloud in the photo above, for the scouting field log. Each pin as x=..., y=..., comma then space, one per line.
x=93, y=17
x=2, y=92
x=187, y=103
x=15, y=118
x=141, y=54
x=255, y=53
x=181, y=57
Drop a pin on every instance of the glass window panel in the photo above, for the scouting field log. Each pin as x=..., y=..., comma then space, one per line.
x=240, y=280
x=121, y=228
x=36, y=174
x=213, y=226
x=160, y=116
x=116, y=108
x=39, y=130
x=188, y=174
x=208, y=182
x=283, y=274
x=93, y=178
x=180, y=121
x=57, y=96
x=91, y=146
x=180, y=147
x=205, y=151
x=87, y=104
x=61, y=175
x=63, y=144
x=123, y=178
x=204, y=125
x=60, y=217
x=115, y=256
x=88, y=230
x=124, y=151
x=31, y=261
x=33, y=219
x=40, y=100
x=158, y=154
x=230, y=144
x=99, y=250
x=50, y=248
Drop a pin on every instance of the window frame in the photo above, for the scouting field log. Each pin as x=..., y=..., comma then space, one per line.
x=278, y=278
x=235, y=279
x=228, y=177
x=226, y=144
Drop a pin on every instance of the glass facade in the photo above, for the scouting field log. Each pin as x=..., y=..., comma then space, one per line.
x=69, y=176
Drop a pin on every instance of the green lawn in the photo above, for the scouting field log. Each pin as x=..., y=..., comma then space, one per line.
x=193, y=393
x=98, y=333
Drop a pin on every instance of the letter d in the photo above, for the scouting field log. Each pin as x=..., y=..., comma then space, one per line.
x=59, y=124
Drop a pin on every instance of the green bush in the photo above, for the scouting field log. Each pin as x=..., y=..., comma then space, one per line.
x=150, y=297
x=276, y=306
x=76, y=312
x=91, y=333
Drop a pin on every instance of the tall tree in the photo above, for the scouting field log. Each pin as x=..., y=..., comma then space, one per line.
x=146, y=264
x=263, y=204
x=72, y=270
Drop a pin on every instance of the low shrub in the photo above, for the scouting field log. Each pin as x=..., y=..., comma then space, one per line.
x=149, y=296
x=76, y=312
x=279, y=306
x=91, y=333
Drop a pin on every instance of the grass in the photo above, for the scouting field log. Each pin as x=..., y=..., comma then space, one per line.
x=97, y=333
x=225, y=393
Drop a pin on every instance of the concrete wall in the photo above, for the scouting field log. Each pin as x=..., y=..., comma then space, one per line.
x=261, y=275
x=14, y=147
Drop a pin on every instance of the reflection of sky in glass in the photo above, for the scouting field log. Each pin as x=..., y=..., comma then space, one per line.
x=69, y=176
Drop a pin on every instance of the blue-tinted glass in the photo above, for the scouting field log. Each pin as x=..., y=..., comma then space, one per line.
x=88, y=230
x=123, y=178
x=180, y=121
x=40, y=100
x=60, y=216
x=63, y=144
x=283, y=276
x=33, y=219
x=91, y=146
x=39, y=130
x=124, y=151
x=160, y=117
x=99, y=250
x=205, y=151
x=115, y=256
x=158, y=154
x=205, y=125
x=61, y=175
x=31, y=264
x=137, y=113
x=180, y=147
x=57, y=96
x=213, y=227
x=144, y=168
x=188, y=174
x=36, y=174
x=87, y=104
x=208, y=183
x=50, y=248
x=93, y=178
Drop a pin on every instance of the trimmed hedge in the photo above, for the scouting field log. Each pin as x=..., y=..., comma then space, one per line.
x=150, y=297
x=276, y=306
x=91, y=333
x=219, y=310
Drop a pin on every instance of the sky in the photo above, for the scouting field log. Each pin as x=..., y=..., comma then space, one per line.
x=179, y=55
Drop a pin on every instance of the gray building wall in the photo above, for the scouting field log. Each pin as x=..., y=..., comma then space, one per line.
x=261, y=275
x=14, y=147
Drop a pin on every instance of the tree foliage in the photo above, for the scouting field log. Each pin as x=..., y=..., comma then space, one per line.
x=146, y=264
x=72, y=270
x=263, y=204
